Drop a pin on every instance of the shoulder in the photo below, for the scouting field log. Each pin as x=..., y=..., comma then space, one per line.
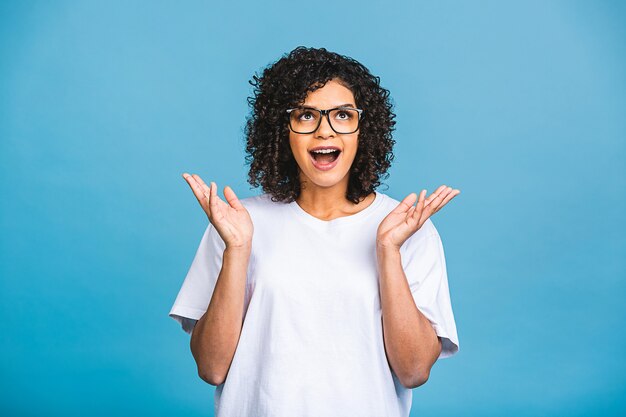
x=255, y=200
x=259, y=202
x=261, y=206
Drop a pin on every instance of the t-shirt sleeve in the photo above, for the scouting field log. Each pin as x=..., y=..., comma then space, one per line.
x=424, y=265
x=195, y=294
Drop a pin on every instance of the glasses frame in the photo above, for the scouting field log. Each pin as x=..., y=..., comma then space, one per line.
x=327, y=114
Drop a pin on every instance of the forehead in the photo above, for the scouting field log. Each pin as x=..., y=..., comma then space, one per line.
x=331, y=95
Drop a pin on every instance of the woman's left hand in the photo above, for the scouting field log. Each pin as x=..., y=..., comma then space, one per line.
x=406, y=219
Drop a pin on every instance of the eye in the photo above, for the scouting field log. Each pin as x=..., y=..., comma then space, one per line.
x=344, y=115
x=306, y=115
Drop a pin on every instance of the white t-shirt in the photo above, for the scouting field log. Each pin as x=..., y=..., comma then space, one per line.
x=312, y=341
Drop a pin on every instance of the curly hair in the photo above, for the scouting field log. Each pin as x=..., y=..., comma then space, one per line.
x=285, y=84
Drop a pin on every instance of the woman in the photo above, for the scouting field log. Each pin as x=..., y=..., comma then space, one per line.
x=321, y=296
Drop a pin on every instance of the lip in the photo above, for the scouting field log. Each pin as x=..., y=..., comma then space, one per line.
x=325, y=167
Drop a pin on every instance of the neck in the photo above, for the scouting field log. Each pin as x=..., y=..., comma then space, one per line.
x=328, y=203
x=322, y=199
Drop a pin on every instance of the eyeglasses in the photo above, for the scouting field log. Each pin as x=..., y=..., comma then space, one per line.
x=342, y=120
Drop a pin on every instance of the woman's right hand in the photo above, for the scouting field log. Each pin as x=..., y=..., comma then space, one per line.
x=231, y=220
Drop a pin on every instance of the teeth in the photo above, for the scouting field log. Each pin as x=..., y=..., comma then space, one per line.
x=325, y=150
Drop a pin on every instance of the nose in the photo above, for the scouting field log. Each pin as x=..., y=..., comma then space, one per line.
x=324, y=130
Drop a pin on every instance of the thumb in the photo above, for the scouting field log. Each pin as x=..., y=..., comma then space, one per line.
x=232, y=199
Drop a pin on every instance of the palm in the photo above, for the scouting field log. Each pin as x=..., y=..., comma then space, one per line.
x=231, y=220
x=406, y=219
x=396, y=227
x=233, y=224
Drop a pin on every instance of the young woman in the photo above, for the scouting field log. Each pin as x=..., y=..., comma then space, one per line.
x=321, y=296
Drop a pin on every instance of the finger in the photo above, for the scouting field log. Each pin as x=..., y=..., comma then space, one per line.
x=211, y=202
x=453, y=193
x=434, y=195
x=434, y=205
x=213, y=195
x=232, y=199
x=214, y=206
x=405, y=204
x=199, y=188
x=195, y=187
x=202, y=183
x=439, y=199
x=420, y=205
x=409, y=221
x=435, y=202
x=215, y=198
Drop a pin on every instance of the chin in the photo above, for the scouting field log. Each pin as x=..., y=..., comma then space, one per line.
x=324, y=180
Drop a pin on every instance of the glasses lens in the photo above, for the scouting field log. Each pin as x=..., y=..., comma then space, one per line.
x=344, y=120
x=341, y=120
x=304, y=120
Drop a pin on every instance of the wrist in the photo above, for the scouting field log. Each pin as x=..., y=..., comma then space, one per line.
x=387, y=253
x=239, y=248
x=386, y=247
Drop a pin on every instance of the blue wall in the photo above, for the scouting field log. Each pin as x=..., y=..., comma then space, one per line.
x=103, y=105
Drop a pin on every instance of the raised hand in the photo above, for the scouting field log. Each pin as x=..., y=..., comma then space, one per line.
x=231, y=220
x=407, y=219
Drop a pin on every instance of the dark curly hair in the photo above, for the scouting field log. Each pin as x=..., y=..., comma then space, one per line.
x=285, y=84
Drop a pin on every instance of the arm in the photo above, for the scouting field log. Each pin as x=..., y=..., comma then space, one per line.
x=411, y=344
x=215, y=337
x=216, y=334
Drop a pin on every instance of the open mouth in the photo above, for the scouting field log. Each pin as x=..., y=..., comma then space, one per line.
x=325, y=157
x=325, y=161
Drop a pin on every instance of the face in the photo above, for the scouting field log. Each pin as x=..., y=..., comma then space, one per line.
x=316, y=172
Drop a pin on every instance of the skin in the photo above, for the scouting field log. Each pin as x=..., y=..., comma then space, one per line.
x=216, y=334
x=411, y=344
x=323, y=192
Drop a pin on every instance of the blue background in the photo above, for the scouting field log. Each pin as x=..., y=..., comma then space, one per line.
x=520, y=105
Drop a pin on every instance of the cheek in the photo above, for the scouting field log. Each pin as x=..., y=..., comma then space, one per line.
x=293, y=144
x=297, y=149
x=351, y=148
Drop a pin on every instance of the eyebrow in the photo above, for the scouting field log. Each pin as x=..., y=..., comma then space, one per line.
x=341, y=105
